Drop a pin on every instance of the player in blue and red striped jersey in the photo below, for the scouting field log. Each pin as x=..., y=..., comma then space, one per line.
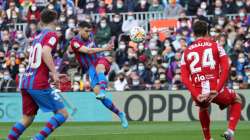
x=96, y=65
x=35, y=88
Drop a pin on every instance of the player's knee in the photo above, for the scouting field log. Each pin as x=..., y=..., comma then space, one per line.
x=203, y=109
x=27, y=120
x=100, y=68
x=237, y=99
x=64, y=112
x=96, y=89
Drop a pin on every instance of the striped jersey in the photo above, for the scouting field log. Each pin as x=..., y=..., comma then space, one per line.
x=36, y=75
x=84, y=59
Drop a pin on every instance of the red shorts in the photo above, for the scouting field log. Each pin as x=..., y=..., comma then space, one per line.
x=104, y=62
x=223, y=100
x=30, y=107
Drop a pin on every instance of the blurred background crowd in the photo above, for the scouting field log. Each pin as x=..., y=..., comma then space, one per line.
x=153, y=64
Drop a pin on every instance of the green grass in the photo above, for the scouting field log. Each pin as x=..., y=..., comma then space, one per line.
x=136, y=131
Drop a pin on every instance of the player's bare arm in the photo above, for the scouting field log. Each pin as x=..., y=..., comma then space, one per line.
x=48, y=60
x=87, y=50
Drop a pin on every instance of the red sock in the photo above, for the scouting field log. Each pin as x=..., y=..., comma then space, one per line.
x=205, y=123
x=235, y=111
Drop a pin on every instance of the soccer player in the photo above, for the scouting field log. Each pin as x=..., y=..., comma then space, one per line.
x=204, y=71
x=35, y=88
x=97, y=66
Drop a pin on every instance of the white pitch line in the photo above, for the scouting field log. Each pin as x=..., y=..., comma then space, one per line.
x=95, y=134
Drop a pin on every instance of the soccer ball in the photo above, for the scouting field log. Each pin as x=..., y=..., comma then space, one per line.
x=137, y=34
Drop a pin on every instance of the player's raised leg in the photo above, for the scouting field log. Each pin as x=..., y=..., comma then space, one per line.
x=110, y=105
x=103, y=82
x=29, y=108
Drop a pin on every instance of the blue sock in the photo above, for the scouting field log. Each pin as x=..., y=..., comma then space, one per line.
x=109, y=104
x=102, y=81
x=51, y=125
x=16, y=131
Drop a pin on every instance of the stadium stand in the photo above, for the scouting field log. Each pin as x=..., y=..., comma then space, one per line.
x=153, y=64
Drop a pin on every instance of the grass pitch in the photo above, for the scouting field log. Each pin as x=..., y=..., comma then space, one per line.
x=136, y=131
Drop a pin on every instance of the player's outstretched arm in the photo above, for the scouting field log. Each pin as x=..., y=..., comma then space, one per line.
x=87, y=50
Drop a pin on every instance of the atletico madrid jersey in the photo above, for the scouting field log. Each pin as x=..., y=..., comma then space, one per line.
x=202, y=60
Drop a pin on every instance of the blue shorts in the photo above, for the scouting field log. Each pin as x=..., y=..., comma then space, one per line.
x=47, y=100
x=93, y=76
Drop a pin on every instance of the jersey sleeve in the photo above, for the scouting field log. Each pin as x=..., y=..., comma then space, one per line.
x=51, y=40
x=185, y=77
x=224, y=67
x=221, y=51
x=75, y=45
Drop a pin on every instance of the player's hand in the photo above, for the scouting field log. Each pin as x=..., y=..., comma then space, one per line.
x=202, y=97
x=110, y=47
x=56, y=79
x=212, y=95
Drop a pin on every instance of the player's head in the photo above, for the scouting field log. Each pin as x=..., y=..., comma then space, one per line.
x=200, y=28
x=85, y=29
x=49, y=18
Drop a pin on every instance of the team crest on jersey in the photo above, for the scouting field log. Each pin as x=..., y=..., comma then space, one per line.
x=76, y=45
x=52, y=41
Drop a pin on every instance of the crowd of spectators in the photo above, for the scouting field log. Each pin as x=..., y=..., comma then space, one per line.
x=152, y=64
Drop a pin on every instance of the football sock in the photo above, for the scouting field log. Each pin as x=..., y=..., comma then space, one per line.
x=102, y=81
x=52, y=124
x=235, y=111
x=205, y=123
x=110, y=105
x=16, y=131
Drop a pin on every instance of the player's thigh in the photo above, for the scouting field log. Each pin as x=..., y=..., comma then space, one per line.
x=103, y=65
x=225, y=98
x=93, y=76
x=47, y=100
x=100, y=68
x=29, y=106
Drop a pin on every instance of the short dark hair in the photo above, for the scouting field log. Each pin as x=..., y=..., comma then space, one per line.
x=48, y=16
x=84, y=24
x=200, y=28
